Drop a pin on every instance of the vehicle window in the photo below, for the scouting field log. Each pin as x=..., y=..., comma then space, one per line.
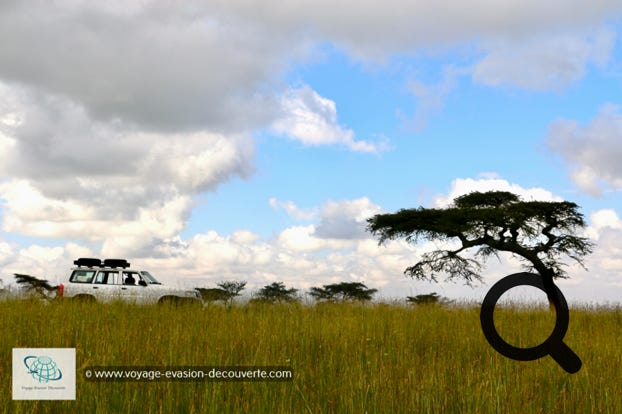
x=106, y=277
x=82, y=276
x=130, y=278
x=113, y=278
x=149, y=278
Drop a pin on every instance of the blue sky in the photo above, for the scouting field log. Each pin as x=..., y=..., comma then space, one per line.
x=212, y=142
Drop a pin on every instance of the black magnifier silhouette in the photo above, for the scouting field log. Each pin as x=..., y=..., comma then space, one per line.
x=553, y=346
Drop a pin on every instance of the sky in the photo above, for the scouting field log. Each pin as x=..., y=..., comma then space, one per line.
x=241, y=140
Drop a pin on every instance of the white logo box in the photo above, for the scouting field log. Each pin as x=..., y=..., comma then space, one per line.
x=44, y=373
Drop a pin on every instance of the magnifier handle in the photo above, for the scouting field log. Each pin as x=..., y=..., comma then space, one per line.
x=565, y=357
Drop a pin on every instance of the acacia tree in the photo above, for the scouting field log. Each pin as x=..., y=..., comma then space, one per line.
x=427, y=299
x=342, y=292
x=276, y=292
x=232, y=289
x=537, y=232
x=34, y=286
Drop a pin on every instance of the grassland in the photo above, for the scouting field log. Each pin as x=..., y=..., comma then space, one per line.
x=346, y=358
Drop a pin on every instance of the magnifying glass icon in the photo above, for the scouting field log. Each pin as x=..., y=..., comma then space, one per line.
x=553, y=346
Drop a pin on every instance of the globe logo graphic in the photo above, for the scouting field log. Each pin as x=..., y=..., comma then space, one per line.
x=42, y=368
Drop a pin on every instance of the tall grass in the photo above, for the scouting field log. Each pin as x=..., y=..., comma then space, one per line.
x=346, y=358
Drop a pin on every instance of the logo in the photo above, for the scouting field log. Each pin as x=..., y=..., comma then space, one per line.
x=44, y=373
x=43, y=368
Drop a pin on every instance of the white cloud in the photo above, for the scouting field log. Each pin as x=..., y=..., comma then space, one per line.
x=303, y=238
x=375, y=30
x=27, y=211
x=217, y=65
x=150, y=63
x=67, y=175
x=301, y=259
x=6, y=252
x=292, y=209
x=337, y=223
x=148, y=103
x=244, y=237
x=462, y=186
x=543, y=61
x=605, y=218
x=312, y=120
x=297, y=255
x=60, y=147
x=345, y=219
x=602, y=220
x=46, y=262
x=593, y=150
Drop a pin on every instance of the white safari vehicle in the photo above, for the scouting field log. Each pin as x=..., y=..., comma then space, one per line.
x=113, y=279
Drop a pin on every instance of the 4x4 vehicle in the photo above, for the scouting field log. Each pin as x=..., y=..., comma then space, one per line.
x=114, y=279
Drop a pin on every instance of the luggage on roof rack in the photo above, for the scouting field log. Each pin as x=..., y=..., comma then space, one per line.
x=88, y=262
x=122, y=263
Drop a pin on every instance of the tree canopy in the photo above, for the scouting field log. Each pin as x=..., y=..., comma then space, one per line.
x=35, y=286
x=539, y=233
x=276, y=292
x=427, y=299
x=343, y=291
x=225, y=292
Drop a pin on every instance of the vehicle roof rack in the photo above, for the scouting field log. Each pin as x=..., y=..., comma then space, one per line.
x=122, y=263
x=88, y=262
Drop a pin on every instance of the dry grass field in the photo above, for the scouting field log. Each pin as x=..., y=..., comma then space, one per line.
x=347, y=358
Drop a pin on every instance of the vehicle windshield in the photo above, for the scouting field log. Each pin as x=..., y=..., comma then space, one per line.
x=150, y=279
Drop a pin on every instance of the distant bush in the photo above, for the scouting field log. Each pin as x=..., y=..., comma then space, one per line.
x=341, y=292
x=275, y=293
x=427, y=299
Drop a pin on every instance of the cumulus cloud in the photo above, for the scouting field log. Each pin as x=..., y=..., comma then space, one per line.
x=218, y=64
x=492, y=182
x=602, y=220
x=543, y=61
x=56, y=143
x=339, y=225
x=149, y=103
x=346, y=219
x=292, y=209
x=312, y=119
x=6, y=253
x=602, y=280
x=298, y=257
x=375, y=30
x=151, y=63
x=304, y=238
x=27, y=211
x=593, y=151
x=68, y=175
